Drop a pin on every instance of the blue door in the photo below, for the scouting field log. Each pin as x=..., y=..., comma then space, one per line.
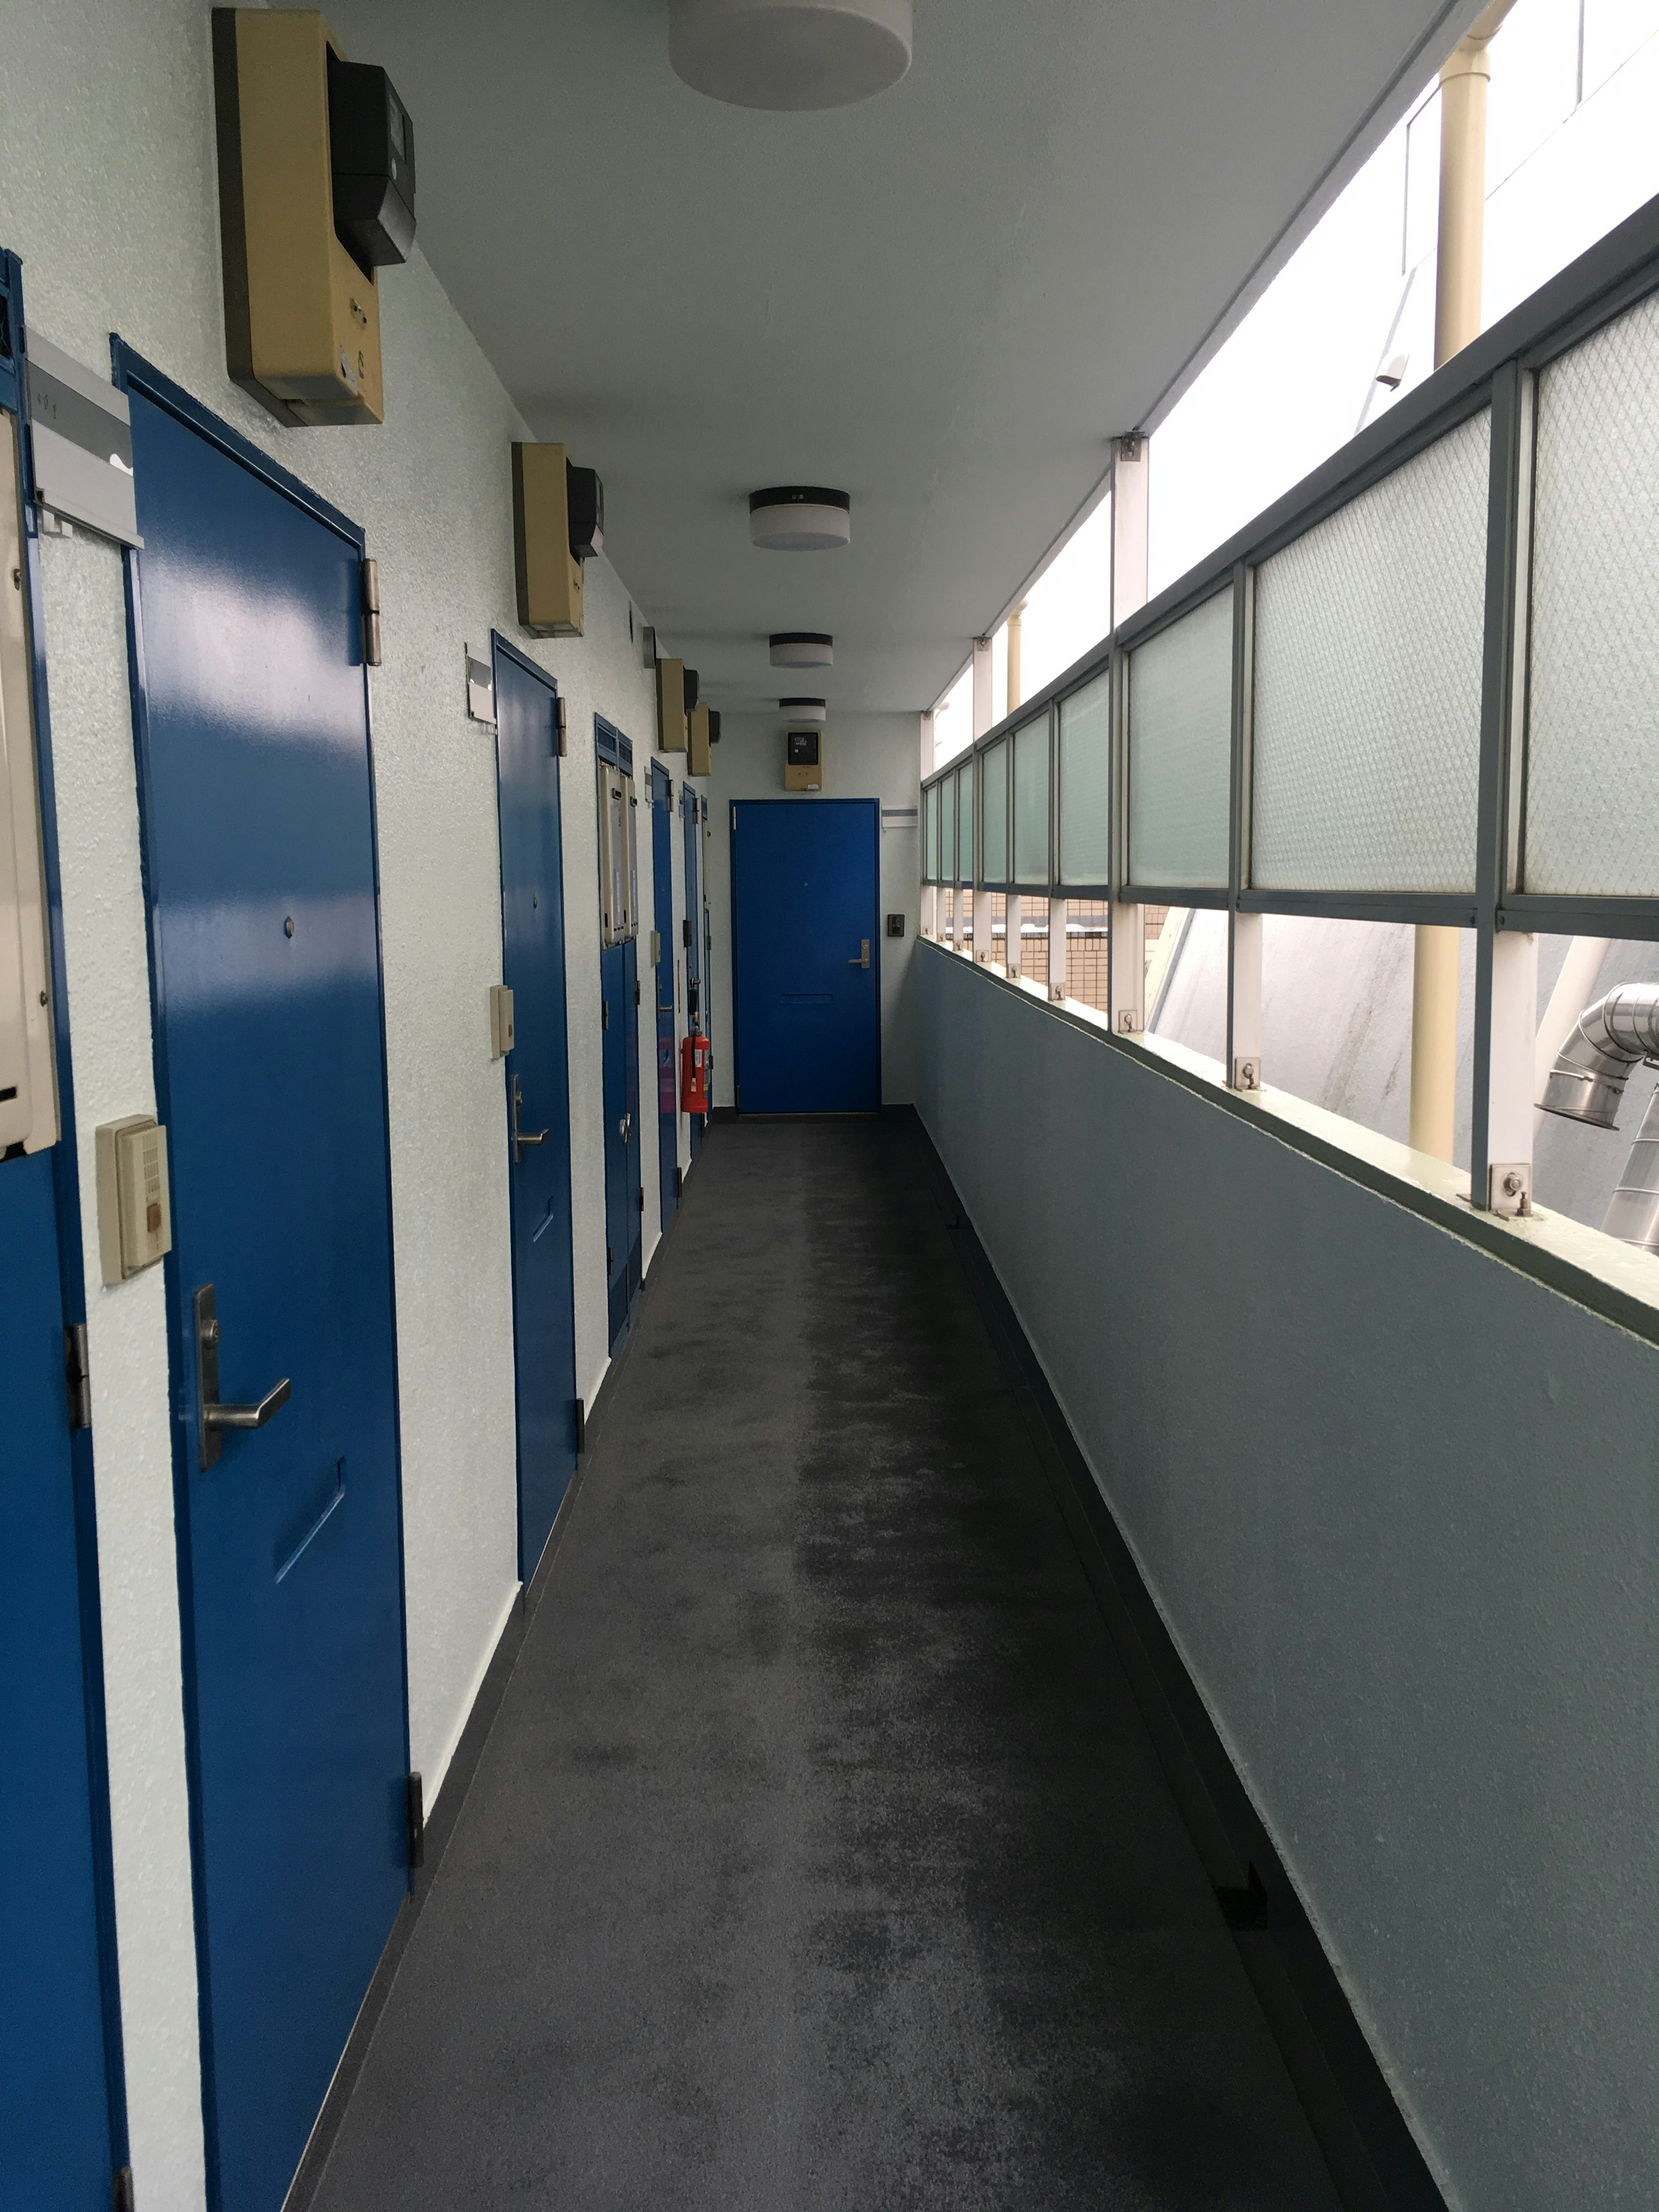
x=537, y=1114
x=623, y=1192
x=696, y=1014
x=662, y=903
x=56, y=2152
x=258, y=812
x=806, y=984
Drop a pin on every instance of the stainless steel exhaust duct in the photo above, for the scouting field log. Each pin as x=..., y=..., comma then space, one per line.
x=1587, y=1083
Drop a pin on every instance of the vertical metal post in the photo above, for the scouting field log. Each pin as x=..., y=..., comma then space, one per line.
x=1126, y=948
x=1244, y=1057
x=1056, y=893
x=1506, y=962
x=980, y=946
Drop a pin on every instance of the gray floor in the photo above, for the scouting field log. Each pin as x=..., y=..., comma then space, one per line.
x=818, y=1857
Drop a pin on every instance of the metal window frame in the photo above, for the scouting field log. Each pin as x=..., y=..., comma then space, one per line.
x=1004, y=882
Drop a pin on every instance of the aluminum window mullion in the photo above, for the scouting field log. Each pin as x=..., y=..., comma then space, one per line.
x=1243, y=1052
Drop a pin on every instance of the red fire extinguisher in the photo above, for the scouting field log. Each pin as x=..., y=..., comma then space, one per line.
x=694, y=1075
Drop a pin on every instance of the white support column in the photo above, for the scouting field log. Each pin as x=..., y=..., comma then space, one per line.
x=1244, y=1004
x=1244, y=1055
x=1510, y=1092
x=1126, y=921
x=929, y=924
x=1010, y=946
x=983, y=946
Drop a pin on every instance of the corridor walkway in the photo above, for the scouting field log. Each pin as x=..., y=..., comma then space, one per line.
x=818, y=1857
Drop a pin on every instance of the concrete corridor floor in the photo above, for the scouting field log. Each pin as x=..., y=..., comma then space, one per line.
x=819, y=1856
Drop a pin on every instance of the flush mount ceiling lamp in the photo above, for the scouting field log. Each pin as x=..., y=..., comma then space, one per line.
x=800, y=519
x=804, y=710
x=789, y=54
x=802, y=648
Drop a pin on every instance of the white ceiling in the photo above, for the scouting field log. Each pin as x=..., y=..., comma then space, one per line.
x=945, y=300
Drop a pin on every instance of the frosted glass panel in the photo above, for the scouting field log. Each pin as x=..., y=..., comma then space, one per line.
x=947, y=833
x=1181, y=713
x=995, y=836
x=930, y=834
x=1592, y=816
x=1085, y=784
x=1368, y=643
x=965, y=820
x=1031, y=803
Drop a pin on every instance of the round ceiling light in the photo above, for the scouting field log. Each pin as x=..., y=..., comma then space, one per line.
x=800, y=519
x=804, y=710
x=789, y=54
x=802, y=648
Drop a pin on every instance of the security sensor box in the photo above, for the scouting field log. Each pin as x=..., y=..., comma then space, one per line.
x=302, y=313
x=500, y=1020
x=697, y=756
x=372, y=161
x=803, y=768
x=134, y=1215
x=550, y=573
x=28, y=1067
x=671, y=736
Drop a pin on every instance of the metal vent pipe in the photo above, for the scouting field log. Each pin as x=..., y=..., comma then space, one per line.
x=1620, y=1032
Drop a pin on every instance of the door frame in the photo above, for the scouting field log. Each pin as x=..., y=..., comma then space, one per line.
x=874, y=804
x=71, y=1264
x=504, y=649
x=134, y=373
x=668, y=1125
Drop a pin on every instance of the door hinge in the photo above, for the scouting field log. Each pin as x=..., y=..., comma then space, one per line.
x=637, y=995
x=561, y=739
x=120, y=2189
x=605, y=1014
x=640, y=1195
x=77, y=1376
x=415, y=1813
x=609, y=1260
x=368, y=599
x=581, y=1426
x=685, y=931
x=676, y=1182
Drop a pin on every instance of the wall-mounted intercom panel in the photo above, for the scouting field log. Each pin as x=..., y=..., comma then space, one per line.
x=803, y=759
x=619, y=867
x=558, y=522
x=303, y=306
x=699, y=761
x=28, y=1067
x=135, y=1214
x=671, y=733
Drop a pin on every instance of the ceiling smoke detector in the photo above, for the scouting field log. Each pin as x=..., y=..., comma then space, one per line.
x=789, y=54
x=804, y=710
x=802, y=648
x=800, y=519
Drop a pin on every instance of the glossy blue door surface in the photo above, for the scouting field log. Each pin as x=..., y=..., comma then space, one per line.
x=55, y=2148
x=696, y=1013
x=624, y=1230
x=258, y=824
x=804, y=922
x=538, y=1072
x=662, y=887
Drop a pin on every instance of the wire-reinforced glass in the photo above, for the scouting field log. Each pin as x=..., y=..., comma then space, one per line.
x=1181, y=719
x=1085, y=784
x=1031, y=803
x=993, y=837
x=930, y=834
x=947, y=831
x=1367, y=697
x=965, y=820
x=1592, y=805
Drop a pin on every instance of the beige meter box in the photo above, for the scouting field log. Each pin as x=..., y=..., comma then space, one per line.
x=134, y=1219
x=302, y=322
x=803, y=759
x=549, y=576
x=699, y=760
x=672, y=732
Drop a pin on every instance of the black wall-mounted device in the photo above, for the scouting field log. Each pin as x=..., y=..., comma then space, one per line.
x=584, y=499
x=371, y=153
x=691, y=688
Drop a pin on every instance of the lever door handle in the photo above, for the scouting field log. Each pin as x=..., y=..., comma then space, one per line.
x=624, y=1126
x=863, y=960
x=522, y=1137
x=213, y=1417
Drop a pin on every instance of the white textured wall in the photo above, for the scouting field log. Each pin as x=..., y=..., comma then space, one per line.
x=864, y=756
x=108, y=192
x=1396, y=1501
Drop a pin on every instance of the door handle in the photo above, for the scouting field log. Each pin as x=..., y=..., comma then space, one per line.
x=522, y=1137
x=213, y=1417
x=863, y=960
x=624, y=1126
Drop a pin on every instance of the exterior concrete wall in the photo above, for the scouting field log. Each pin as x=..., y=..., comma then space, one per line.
x=109, y=194
x=1397, y=1503
x=864, y=756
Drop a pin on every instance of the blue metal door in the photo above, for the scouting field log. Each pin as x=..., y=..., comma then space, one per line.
x=258, y=811
x=805, y=955
x=692, y=935
x=537, y=1093
x=624, y=1194
x=662, y=902
x=56, y=2152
